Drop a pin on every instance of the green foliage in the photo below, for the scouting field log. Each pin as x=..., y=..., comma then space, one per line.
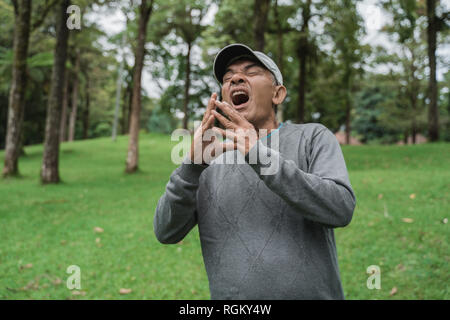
x=102, y=129
x=231, y=25
x=367, y=122
x=336, y=62
x=161, y=122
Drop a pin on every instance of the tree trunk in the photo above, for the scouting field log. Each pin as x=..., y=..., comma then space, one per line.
x=50, y=161
x=413, y=107
x=280, y=38
x=130, y=104
x=280, y=54
x=65, y=102
x=405, y=137
x=18, y=87
x=261, y=11
x=75, y=92
x=302, y=81
x=86, y=110
x=302, y=54
x=348, y=129
x=433, y=111
x=187, y=84
x=133, y=145
x=125, y=107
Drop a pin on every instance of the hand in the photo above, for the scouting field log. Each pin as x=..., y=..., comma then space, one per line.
x=204, y=138
x=241, y=132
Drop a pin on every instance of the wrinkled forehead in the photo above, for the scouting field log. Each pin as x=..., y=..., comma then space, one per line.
x=243, y=60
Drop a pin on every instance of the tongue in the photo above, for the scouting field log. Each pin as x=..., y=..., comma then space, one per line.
x=240, y=99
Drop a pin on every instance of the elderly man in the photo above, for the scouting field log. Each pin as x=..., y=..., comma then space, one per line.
x=263, y=235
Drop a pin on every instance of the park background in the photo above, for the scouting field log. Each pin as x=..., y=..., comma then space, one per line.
x=88, y=100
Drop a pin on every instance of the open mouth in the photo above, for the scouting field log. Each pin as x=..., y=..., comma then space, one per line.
x=239, y=97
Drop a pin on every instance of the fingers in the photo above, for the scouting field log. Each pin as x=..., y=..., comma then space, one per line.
x=210, y=106
x=228, y=110
x=209, y=123
x=224, y=121
x=226, y=134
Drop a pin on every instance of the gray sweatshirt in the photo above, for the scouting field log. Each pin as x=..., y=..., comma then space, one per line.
x=265, y=236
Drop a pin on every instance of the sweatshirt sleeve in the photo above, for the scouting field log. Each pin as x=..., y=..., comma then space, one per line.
x=324, y=193
x=175, y=212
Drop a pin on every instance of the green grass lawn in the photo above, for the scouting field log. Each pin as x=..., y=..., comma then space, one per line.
x=45, y=229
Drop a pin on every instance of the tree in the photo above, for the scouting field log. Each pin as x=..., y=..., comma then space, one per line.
x=346, y=29
x=145, y=10
x=50, y=160
x=434, y=25
x=86, y=106
x=22, y=14
x=230, y=26
x=407, y=29
x=404, y=109
x=75, y=95
x=261, y=12
x=306, y=49
x=65, y=101
x=184, y=18
x=22, y=28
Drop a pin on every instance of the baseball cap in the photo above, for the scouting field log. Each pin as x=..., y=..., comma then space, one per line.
x=236, y=51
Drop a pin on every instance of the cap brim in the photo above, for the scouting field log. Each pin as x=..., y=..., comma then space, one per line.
x=226, y=55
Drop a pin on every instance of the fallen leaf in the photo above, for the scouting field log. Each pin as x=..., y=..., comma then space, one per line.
x=32, y=285
x=57, y=281
x=412, y=196
x=400, y=267
x=408, y=220
x=63, y=242
x=97, y=240
x=380, y=196
x=78, y=293
x=393, y=291
x=125, y=291
x=445, y=221
x=98, y=230
x=27, y=266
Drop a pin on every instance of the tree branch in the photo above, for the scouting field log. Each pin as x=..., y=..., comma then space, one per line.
x=16, y=8
x=47, y=7
x=283, y=30
x=148, y=11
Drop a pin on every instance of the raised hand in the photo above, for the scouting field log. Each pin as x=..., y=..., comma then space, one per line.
x=238, y=129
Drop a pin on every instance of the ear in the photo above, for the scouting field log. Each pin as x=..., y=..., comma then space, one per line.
x=279, y=94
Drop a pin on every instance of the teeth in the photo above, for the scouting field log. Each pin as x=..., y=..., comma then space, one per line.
x=238, y=92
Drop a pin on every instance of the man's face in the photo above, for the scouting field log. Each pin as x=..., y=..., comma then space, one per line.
x=248, y=87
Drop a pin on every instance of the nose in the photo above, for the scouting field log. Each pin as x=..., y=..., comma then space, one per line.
x=237, y=78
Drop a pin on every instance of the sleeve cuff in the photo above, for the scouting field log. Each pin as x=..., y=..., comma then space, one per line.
x=190, y=171
x=264, y=160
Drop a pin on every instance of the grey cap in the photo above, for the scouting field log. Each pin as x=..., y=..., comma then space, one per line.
x=235, y=51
